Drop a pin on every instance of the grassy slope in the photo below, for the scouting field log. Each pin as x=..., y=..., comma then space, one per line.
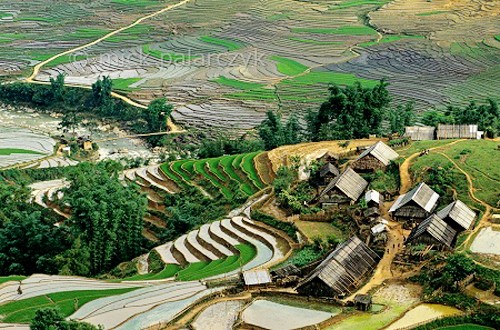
x=10, y=151
x=11, y=278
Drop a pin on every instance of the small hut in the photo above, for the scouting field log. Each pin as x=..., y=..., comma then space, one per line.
x=329, y=157
x=327, y=173
x=345, y=189
x=433, y=231
x=458, y=132
x=285, y=271
x=342, y=271
x=415, y=206
x=256, y=278
x=420, y=133
x=376, y=157
x=458, y=215
x=373, y=198
x=363, y=302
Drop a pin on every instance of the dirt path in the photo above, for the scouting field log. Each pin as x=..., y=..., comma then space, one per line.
x=404, y=172
x=36, y=69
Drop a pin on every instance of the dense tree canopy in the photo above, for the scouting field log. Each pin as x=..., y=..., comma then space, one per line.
x=106, y=215
x=274, y=133
x=52, y=319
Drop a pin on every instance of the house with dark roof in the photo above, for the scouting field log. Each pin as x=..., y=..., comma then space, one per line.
x=457, y=215
x=345, y=189
x=342, y=271
x=415, y=206
x=327, y=173
x=329, y=157
x=376, y=157
x=433, y=231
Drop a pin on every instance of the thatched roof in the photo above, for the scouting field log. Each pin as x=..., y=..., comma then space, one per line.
x=286, y=271
x=328, y=168
x=349, y=182
x=457, y=131
x=328, y=155
x=345, y=266
x=459, y=213
x=420, y=133
x=422, y=195
x=256, y=277
x=437, y=228
x=381, y=151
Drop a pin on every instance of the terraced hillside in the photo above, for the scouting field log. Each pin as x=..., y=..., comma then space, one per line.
x=223, y=64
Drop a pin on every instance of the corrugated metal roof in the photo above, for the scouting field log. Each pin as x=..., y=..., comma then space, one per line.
x=345, y=265
x=381, y=151
x=422, y=195
x=372, y=195
x=437, y=228
x=458, y=212
x=349, y=182
x=256, y=277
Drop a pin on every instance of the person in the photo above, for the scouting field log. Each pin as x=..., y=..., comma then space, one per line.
x=19, y=290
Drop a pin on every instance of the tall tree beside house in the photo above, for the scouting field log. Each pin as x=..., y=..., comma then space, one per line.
x=350, y=112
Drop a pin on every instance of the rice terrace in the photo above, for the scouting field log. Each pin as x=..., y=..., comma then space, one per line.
x=278, y=164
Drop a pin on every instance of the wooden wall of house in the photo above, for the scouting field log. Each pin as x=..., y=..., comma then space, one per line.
x=316, y=288
x=427, y=239
x=368, y=164
x=335, y=197
x=411, y=215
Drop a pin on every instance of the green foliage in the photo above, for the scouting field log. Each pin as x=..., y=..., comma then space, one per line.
x=305, y=256
x=224, y=145
x=106, y=215
x=387, y=181
x=274, y=133
x=292, y=195
x=52, y=319
x=350, y=113
x=230, y=45
x=289, y=228
x=485, y=315
x=401, y=117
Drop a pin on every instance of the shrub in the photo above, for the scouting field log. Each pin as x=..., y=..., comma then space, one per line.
x=289, y=228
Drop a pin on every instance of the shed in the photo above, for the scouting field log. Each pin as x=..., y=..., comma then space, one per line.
x=433, y=231
x=378, y=229
x=327, y=173
x=420, y=133
x=329, y=157
x=373, y=198
x=288, y=270
x=343, y=190
x=371, y=212
x=457, y=132
x=415, y=205
x=342, y=271
x=363, y=302
x=376, y=157
x=458, y=215
x=256, y=277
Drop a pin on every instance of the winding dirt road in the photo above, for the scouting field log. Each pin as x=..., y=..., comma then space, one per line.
x=36, y=69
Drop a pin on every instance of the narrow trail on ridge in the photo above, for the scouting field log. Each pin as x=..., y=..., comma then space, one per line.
x=36, y=69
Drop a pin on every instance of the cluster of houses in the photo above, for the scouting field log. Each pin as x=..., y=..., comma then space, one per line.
x=421, y=133
x=344, y=268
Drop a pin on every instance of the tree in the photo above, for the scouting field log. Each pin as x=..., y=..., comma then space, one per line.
x=156, y=115
x=401, y=117
x=274, y=134
x=57, y=87
x=350, y=112
x=52, y=319
x=101, y=95
x=70, y=120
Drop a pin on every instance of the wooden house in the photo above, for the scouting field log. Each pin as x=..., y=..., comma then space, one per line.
x=458, y=215
x=433, y=231
x=420, y=133
x=327, y=173
x=363, y=302
x=329, y=157
x=345, y=189
x=458, y=132
x=415, y=206
x=376, y=157
x=342, y=271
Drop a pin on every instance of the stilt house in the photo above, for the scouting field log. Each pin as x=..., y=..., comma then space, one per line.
x=415, y=206
x=433, y=231
x=341, y=272
x=377, y=157
x=345, y=189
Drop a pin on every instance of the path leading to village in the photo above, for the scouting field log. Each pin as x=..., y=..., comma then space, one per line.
x=36, y=69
